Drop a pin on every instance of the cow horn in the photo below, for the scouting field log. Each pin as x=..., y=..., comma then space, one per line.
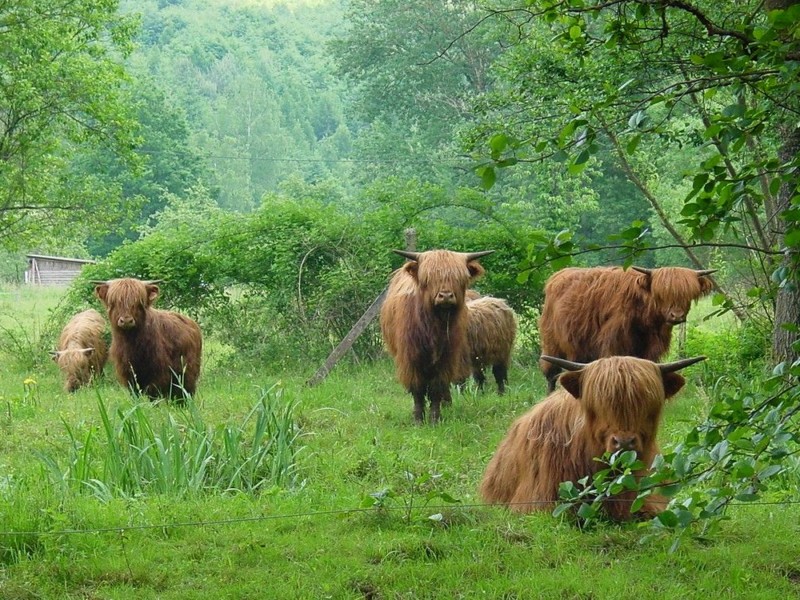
x=642, y=270
x=564, y=364
x=704, y=272
x=97, y=281
x=407, y=254
x=474, y=255
x=679, y=364
x=152, y=281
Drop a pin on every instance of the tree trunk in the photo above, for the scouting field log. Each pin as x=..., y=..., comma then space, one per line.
x=787, y=299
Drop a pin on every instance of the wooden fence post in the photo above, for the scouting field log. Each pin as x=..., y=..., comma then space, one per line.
x=357, y=329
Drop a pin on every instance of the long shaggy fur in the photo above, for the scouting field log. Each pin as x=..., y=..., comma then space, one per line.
x=607, y=311
x=613, y=403
x=155, y=352
x=82, y=350
x=424, y=325
x=491, y=331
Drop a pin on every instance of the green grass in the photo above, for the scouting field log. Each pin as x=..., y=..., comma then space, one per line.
x=311, y=536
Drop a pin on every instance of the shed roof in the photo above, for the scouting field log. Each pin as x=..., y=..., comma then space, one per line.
x=61, y=258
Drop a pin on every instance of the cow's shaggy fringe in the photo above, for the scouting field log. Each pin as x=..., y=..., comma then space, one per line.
x=82, y=350
x=607, y=311
x=425, y=334
x=612, y=404
x=491, y=331
x=155, y=352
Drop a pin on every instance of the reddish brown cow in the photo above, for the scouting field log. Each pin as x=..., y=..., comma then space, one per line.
x=611, y=404
x=82, y=350
x=424, y=323
x=491, y=330
x=608, y=311
x=155, y=352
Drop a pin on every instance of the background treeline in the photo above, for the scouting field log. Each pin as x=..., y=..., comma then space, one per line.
x=315, y=132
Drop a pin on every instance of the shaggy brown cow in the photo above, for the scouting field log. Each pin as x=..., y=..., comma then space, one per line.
x=491, y=330
x=155, y=352
x=82, y=350
x=611, y=404
x=424, y=323
x=608, y=311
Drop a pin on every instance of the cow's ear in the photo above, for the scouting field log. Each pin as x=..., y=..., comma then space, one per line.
x=152, y=292
x=673, y=382
x=706, y=285
x=571, y=381
x=101, y=291
x=645, y=279
x=411, y=267
x=475, y=270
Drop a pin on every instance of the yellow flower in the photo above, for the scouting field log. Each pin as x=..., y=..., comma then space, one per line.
x=29, y=381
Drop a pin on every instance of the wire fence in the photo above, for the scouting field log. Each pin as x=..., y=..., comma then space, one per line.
x=323, y=513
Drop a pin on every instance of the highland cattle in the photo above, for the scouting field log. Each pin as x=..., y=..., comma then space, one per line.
x=491, y=331
x=590, y=313
x=609, y=405
x=82, y=349
x=155, y=352
x=424, y=323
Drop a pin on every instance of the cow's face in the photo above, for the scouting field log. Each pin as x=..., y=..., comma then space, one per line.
x=127, y=301
x=672, y=291
x=622, y=398
x=443, y=277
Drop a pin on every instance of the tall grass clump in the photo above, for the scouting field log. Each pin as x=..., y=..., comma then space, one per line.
x=138, y=451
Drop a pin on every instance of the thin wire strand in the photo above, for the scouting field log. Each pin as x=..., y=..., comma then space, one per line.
x=343, y=511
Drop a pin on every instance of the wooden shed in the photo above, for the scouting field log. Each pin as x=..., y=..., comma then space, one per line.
x=53, y=270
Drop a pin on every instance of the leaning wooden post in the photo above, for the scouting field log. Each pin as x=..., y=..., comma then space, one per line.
x=357, y=329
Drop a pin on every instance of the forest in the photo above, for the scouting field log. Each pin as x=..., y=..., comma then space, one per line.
x=261, y=159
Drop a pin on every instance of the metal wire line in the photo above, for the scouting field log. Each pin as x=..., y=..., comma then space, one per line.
x=343, y=511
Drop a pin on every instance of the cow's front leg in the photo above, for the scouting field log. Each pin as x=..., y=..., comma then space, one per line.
x=438, y=393
x=419, y=404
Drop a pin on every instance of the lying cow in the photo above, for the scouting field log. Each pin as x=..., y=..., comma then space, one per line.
x=605, y=406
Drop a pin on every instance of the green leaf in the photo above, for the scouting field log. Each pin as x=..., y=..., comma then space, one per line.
x=632, y=144
x=498, y=144
x=488, y=177
x=770, y=471
x=668, y=518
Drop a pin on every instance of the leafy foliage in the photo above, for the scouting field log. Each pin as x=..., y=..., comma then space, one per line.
x=61, y=92
x=586, y=70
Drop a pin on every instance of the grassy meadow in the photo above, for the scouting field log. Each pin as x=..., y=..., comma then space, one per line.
x=367, y=504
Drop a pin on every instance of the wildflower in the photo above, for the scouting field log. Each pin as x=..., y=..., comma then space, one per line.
x=29, y=381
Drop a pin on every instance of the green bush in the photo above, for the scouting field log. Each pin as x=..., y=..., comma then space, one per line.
x=289, y=280
x=730, y=348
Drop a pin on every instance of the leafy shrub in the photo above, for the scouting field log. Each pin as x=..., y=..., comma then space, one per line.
x=732, y=348
x=290, y=279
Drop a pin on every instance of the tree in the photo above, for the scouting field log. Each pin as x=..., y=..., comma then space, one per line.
x=635, y=79
x=413, y=71
x=60, y=91
x=647, y=79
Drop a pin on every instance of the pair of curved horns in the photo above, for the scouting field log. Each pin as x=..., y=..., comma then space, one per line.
x=144, y=281
x=664, y=367
x=55, y=353
x=700, y=272
x=469, y=255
